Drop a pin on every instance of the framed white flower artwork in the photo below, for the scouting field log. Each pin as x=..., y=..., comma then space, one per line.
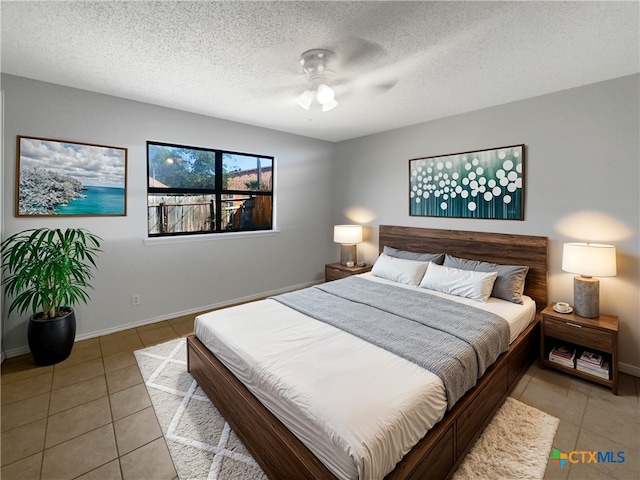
x=485, y=184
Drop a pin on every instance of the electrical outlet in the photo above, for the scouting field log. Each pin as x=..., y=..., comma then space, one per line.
x=135, y=300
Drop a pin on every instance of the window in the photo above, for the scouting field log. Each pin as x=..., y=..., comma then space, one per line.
x=200, y=190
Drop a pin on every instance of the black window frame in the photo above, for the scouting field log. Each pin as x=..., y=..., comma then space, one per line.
x=218, y=191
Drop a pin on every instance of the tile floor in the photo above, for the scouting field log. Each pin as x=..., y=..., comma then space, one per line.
x=591, y=419
x=90, y=417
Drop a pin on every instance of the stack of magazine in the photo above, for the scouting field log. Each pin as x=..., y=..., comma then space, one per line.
x=563, y=355
x=593, y=364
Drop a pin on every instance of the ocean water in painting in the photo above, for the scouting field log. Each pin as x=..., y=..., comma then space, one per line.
x=97, y=201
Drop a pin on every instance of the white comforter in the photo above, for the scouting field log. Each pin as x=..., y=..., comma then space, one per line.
x=357, y=407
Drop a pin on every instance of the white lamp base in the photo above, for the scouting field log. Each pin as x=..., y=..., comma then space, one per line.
x=348, y=253
x=586, y=296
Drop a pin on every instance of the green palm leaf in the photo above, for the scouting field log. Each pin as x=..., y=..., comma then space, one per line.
x=48, y=269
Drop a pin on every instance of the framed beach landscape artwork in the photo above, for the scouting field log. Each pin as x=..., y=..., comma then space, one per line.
x=485, y=184
x=56, y=177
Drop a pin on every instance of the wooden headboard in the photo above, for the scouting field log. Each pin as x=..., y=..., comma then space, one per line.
x=508, y=249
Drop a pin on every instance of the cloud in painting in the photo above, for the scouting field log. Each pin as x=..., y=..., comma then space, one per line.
x=91, y=165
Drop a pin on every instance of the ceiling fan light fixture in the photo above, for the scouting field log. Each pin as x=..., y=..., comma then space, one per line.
x=325, y=94
x=305, y=99
x=316, y=64
x=329, y=106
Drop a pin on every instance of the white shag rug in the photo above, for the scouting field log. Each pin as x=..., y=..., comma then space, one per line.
x=515, y=445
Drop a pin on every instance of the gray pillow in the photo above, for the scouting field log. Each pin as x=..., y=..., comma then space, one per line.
x=436, y=258
x=509, y=285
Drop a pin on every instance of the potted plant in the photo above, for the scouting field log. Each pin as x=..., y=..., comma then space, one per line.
x=47, y=271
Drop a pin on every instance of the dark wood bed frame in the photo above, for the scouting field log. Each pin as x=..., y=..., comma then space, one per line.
x=283, y=457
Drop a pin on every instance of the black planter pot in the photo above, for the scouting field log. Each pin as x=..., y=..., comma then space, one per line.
x=51, y=341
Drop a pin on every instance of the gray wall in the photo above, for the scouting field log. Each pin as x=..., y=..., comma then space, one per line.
x=171, y=278
x=2, y=354
x=582, y=183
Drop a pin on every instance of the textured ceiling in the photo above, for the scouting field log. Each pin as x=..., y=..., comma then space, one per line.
x=239, y=60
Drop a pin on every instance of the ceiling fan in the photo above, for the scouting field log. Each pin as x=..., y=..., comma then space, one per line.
x=362, y=68
x=317, y=65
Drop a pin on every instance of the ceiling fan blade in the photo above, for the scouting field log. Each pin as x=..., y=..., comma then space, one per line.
x=354, y=52
x=382, y=79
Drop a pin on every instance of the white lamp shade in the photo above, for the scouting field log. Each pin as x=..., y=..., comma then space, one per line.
x=589, y=259
x=325, y=94
x=347, y=234
x=305, y=99
x=329, y=106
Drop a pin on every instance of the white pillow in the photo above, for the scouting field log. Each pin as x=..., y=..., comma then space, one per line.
x=399, y=269
x=463, y=283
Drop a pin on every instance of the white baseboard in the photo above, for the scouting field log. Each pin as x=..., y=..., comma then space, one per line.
x=22, y=350
x=14, y=352
x=630, y=369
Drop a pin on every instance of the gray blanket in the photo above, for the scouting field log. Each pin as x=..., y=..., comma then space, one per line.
x=454, y=341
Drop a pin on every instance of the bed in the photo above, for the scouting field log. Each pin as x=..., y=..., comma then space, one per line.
x=282, y=455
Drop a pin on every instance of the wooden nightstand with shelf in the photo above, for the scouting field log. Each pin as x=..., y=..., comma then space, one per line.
x=336, y=271
x=598, y=335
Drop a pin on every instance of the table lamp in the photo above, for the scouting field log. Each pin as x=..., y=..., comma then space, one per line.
x=588, y=260
x=347, y=236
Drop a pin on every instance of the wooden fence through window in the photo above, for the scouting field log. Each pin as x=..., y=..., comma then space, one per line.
x=245, y=213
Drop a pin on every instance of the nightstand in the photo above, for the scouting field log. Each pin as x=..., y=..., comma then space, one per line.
x=597, y=335
x=336, y=271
